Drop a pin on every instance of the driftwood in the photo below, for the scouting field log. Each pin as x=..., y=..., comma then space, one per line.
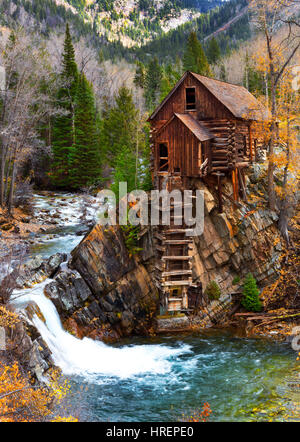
x=266, y=318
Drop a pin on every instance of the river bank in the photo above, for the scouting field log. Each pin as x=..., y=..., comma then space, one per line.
x=151, y=372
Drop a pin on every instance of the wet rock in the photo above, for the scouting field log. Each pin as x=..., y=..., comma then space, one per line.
x=37, y=269
x=38, y=356
x=68, y=292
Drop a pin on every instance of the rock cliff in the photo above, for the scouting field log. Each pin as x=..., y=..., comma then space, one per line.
x=106, y=293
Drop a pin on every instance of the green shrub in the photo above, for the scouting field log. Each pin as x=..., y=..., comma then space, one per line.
x=130, y=233
x=236, y=280
x=212, y=290
x=251, y=300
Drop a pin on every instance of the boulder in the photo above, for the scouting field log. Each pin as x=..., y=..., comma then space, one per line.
x=68, y=292
x=36, y=270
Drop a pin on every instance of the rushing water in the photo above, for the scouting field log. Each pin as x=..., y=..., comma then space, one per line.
x=158, y=379
x=72, y=213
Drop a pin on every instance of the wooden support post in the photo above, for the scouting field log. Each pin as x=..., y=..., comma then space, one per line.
x=220, y=200
x=250, y=144
x=235, y=184
x=242, y=183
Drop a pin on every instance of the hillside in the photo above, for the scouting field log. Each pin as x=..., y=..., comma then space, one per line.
x=132, y=23
x=131, y=29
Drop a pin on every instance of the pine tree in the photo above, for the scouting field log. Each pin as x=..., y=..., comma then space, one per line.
x=153, y=84
x=124, y=140
x=139, y=78
x=63, y=125
x=124, y=170
x=253, y=79
x=85, y=164
x=251, y=300
x=213, y=51
x=120, y=126
x=223, y=73
x=170, y=76
x=194, y=57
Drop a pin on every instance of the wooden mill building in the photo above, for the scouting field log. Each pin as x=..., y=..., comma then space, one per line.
x=203, y=129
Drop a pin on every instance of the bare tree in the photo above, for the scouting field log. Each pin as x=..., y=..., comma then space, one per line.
x=269, y=16
x=26, y=102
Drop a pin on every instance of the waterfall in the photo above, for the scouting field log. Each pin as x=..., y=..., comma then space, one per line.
x=88, y=357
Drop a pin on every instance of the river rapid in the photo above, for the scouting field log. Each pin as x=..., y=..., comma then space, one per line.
x=155, y=378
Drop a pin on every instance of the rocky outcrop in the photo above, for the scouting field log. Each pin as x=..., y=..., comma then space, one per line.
x=68, y=292
x=28, y=348
x=106, y=293
x=36, y=270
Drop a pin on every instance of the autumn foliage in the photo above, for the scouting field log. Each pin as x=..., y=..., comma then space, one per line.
x=201, y=415
x=20, y=401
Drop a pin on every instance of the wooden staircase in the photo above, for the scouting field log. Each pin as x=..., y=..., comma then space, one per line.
x=173, y=246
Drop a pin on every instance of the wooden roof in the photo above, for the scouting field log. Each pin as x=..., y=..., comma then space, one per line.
x=195, y=127
x=237, y=99
x=240, y=102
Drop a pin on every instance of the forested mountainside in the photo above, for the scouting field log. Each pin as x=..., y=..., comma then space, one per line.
x=133, y=29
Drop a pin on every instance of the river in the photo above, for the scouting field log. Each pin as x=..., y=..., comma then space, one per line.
x=156, y=378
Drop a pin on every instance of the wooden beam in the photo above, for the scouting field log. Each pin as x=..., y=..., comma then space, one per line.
x=176, y=283
x=250, y=144
x=235, y=185
x=178, y=241
x=177, y=273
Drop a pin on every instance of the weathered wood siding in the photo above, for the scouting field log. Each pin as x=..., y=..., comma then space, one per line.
x=183, y=148
x=207, y=106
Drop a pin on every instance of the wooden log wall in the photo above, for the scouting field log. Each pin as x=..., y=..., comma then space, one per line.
x=222, y=145
x=242, y=141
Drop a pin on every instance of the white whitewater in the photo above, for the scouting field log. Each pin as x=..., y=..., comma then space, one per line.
x=88, y=357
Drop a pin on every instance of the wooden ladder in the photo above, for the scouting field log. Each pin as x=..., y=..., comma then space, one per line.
x=175, y=271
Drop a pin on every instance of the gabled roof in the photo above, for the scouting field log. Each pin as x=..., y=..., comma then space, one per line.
x=240, y=102
x=195, y=127
x=200, y=132
x=237, y=99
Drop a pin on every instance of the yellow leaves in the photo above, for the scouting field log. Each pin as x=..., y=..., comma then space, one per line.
x=65, y=419
x=20, y=401
x=8, y=318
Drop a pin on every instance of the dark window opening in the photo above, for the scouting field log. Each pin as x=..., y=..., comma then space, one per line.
x=163, y=150
x=177, y=169
x=190, y=98
x=163, y=157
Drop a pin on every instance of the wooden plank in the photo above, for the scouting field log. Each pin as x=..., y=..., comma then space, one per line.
x=178, y=241
x=177, y=273
x=159, y=236
x=175, y=231
x=176, y=258
x=176, y=283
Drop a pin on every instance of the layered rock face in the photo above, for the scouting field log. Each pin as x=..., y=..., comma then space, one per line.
x=106, y=293
x=234, y=243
